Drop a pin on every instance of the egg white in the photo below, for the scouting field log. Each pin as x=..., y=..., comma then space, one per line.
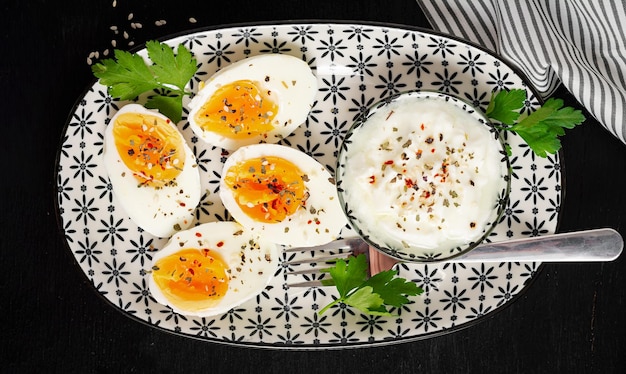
x=248, y=277
x=290, y=80
x=319, y=223
x=159, y=211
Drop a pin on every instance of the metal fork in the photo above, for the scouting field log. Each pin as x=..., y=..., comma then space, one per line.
x=578, y=246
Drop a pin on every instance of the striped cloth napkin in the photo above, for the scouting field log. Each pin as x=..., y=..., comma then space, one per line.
x=579, y=43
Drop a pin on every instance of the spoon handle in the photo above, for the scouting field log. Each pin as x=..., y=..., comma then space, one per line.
x=579, y=246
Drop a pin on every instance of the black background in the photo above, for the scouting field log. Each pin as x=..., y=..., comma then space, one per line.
x=572, y=319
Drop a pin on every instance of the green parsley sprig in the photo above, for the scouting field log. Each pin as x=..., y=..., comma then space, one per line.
x=373, y=295
x=129, y=75
x=542, y=128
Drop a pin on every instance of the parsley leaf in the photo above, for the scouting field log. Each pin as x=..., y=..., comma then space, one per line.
x=505, y=106
x=129, y=75
x=373, y=295
x=542, y=128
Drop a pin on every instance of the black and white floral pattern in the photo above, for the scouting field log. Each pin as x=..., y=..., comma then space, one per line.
x=356, y=65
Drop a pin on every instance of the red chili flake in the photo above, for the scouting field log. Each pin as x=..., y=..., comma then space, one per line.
x=432, y=150
x=372, y=179
x=220, y=244
x=418, y=154
x=409, y=183
x=199, y=234
x=309, y=222
x=182, y=204
x=422, y=126
x=389, y=162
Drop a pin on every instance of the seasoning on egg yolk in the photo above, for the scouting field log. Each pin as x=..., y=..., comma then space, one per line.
x=150, y=147
x=238, y=110
x=192, y=277
x=267, y=189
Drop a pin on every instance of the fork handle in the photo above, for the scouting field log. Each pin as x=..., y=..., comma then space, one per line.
x=579, y=246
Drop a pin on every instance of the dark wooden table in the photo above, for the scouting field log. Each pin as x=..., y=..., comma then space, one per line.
x=571, y=320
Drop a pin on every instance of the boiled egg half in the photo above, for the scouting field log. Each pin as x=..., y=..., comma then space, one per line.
x=152, y=170
x=209, y=269
x=261, y=99
x=283, y=194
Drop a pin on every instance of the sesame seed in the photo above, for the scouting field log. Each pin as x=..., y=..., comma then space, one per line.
x=192, y=20
x=130, y=16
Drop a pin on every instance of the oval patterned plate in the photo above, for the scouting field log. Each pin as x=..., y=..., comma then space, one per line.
x=356, y=65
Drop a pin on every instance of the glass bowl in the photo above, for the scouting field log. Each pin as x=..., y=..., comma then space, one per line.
x=423, y=176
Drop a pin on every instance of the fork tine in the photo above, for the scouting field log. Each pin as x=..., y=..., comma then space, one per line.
x=326, y=258
x=311, y=270
x=336, y=244
x=328, y=255
x=306, y=284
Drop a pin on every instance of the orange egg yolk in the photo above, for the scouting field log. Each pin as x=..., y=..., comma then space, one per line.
x=238, y=110
x=150, y=147
x=192, y=278
x=267, y=189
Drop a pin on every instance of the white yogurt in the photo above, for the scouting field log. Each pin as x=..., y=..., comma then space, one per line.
x=423, y=176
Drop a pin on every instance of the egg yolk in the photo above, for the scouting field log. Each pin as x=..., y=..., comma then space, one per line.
x=150, y=147
x=267, y=189
x=238, y=110
x=192, y=278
